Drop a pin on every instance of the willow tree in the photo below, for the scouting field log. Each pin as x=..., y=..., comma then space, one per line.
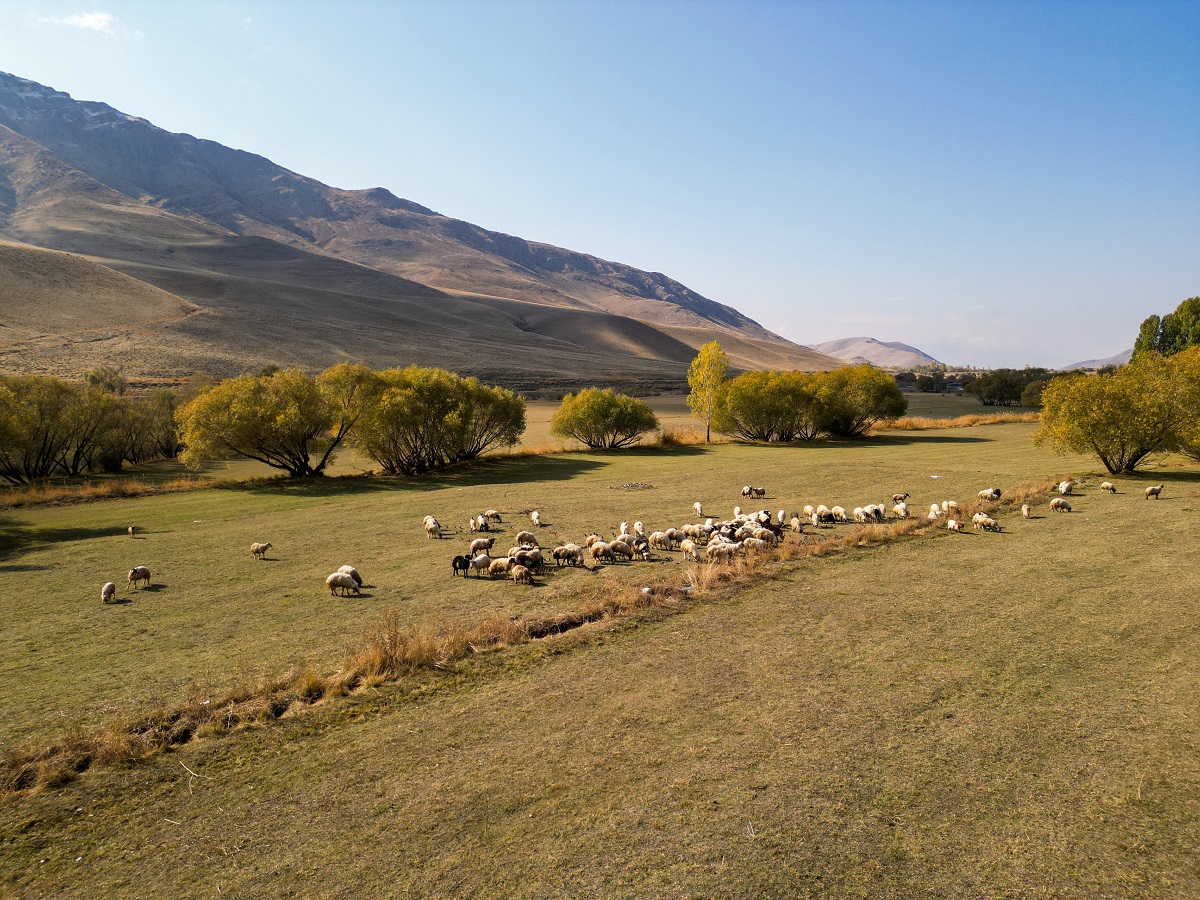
x=706, y=378
x=1148, y=406
x=603, y=419
x=286, y=420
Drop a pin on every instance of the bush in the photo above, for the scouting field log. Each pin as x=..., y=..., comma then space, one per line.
x=855, y=398
x=603, y=419
x=423, y=419
x=770, y=406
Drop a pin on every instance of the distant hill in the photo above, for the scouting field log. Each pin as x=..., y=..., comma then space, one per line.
x=879, y=353
x=287, y=270
x=1118, y=359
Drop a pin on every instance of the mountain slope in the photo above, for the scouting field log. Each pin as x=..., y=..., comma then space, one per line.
x=890, y=354
x=1117, y=359
x=236, y=233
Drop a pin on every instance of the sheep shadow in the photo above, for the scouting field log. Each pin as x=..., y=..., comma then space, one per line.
x=119, y=601
x=152, y=588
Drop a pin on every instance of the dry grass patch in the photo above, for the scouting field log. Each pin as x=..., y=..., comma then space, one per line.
x=925, y=423
x=47, y=494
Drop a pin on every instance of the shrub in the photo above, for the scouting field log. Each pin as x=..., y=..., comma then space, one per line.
x=771, y=406
x=853, y=399
x=423, y=419
x=603, y=419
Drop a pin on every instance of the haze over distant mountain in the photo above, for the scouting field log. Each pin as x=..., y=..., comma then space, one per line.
x=890, y=354
x=1117, y=359
x=274, y=267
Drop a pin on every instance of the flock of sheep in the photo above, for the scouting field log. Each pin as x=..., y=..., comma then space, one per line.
x=711, y=540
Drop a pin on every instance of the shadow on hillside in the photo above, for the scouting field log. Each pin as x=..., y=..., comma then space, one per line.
x=1160, y=476
x=500, y=470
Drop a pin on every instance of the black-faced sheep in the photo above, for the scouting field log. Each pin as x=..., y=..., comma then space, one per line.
x=1154, y=491
x=899, y=498
x=492, y=515
x=130, y=531
x=353, y=573
x=139, y=574
x=1108, y=486
x=482, y=545
x=530, y=559
x=602, y=551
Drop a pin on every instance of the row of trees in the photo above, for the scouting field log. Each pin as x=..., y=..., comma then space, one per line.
x=1172, y=333
x=50, y=427
x=1149, y=406
x=408, y=420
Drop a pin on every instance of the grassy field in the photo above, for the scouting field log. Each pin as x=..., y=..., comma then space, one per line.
x=952, y=715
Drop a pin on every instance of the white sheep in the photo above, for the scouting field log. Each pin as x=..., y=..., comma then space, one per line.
x=139, y=574
x=592, y=539
x=479, y=564
x=602, y=551
x=988, y=495
x=935, y=511
x=620, y=548
x=954, y=525
x=808, y=511
x=259, y=551
x=568, y=554
x=536, y=518
x=521, y=575
x=698, y=509
x=1108, y=486
x=639, y=529
x=1154, y=491
x=433, y=528
x=950, y=507
x=1064, y=488
x=839, y=514
x=473, y=524
x=108, y=593
x=482, y=545
x=130, y=531
x=674, y=535
x=659, y=541
x=1058, y=504
x=353, y=573
x=1026, y=511
x=527, y=537
x=754, y=545
x=795, y=524
x=492, y=516
x=900, y=510
x=500, y=566
x=690, y=550
x=340, y=581
x=722, y=551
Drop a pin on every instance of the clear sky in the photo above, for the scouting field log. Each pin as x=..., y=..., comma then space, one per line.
x=997, y=183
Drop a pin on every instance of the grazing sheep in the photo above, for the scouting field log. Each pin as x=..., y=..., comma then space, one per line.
x=754, y=545
x=460, y=564
x=482, y=545
x=950, y=507
x=660, y=541
x=353, y=573
x=690, y=550
x=935, y=511
x=479, y=564
x=839, y=514
x=620, y=548
x=530, y=559
x=568, y=554
x=746, y=491
x=758, y=492
x=639, y=530
x=108, y=593
x=521, y=575
x=433, y=528
x=492, y=516
x=500, y=566
x=1064, y=488
x=130, y=531
x=988, y=495
x=899, y=498
x=699, y=510
x=722, y=552
x=954, y=525
x=1108, y=486
x=138, y=574
x=1154, y=491
x=482, y=523
x=808, y=511
x=900, y=510
x=592, y=539
x=340, y=581
x=1058, y=504
x=674, y=535
x=987, y=523
x=536, y=518
x=259, y=551
x=527, y=537
x=602, y=551
x=796, y=524
x=1026, y=511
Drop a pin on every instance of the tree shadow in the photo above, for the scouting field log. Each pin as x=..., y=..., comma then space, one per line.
x=16, y=537
x=18, y=567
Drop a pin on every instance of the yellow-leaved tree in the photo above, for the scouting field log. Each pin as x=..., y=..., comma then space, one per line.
x=706, y=379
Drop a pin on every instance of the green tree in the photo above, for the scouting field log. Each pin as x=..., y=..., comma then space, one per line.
x=107, y=378
x=1143, y=408
x=417, y=420
x=706, y=377
x=1172, y=333
x=603, y=419
x=855, y=398
x=283, y=420
x=770, y=406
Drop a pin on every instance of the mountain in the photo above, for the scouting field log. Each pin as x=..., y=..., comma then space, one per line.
x=1117, y=359
x=285, y=269
x=892, y=355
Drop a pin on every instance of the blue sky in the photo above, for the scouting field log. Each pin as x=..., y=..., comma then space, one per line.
x=995, y=183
